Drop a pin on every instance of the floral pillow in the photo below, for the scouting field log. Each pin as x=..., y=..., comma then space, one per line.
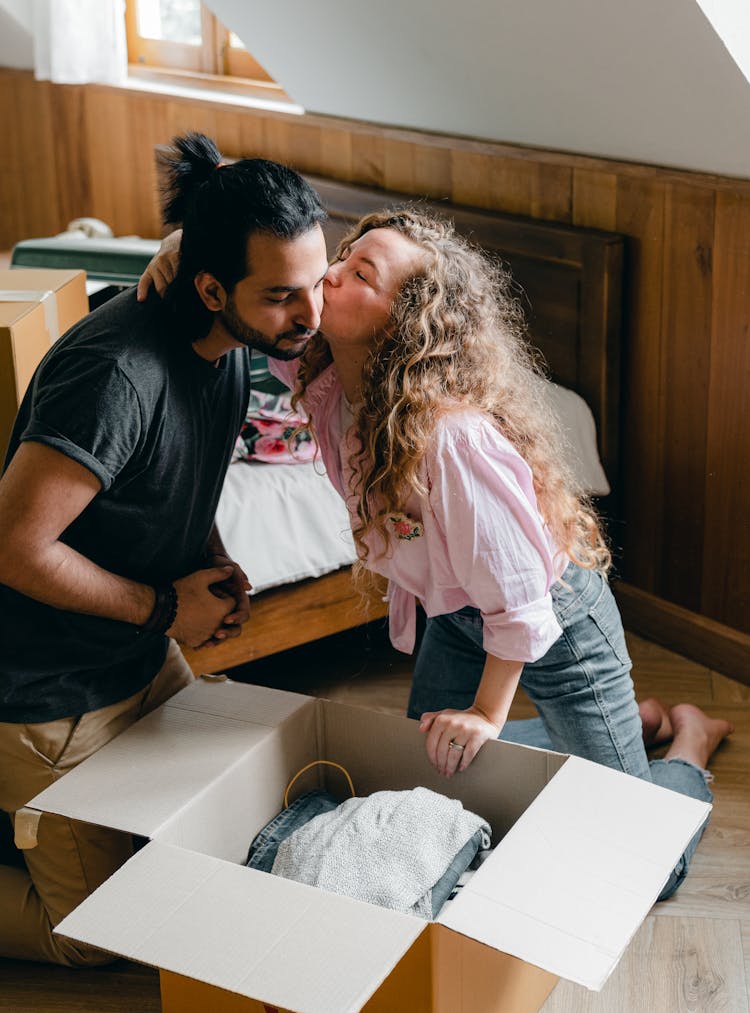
x=266, y=433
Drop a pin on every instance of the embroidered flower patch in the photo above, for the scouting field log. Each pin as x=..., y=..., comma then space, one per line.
x=404, y=527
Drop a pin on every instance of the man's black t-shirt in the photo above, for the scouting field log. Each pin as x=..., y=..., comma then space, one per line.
x=128, y=398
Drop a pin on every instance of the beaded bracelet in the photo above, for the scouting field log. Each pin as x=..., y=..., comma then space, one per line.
x=164, y=611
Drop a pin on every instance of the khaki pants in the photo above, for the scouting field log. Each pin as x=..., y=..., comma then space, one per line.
x=71, y=859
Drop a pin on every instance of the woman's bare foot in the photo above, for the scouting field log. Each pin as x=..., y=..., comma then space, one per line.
x=696, y=735
x=657, y=727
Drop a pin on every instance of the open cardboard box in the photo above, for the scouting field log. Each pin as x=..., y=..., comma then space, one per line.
x=581, y=854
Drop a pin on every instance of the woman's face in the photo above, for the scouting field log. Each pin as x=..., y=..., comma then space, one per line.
x=359, y=290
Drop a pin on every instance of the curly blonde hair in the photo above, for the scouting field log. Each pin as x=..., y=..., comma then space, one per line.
x=456, y=337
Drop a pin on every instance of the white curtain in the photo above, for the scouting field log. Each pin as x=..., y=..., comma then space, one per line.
x=80, y=41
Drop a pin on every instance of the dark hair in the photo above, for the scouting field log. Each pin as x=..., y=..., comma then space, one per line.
x=219, y=206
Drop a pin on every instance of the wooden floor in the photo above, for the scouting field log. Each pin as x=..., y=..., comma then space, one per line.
x=692, y=955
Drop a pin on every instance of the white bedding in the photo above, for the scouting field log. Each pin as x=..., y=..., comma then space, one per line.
x=286, y=522
x=283, y=522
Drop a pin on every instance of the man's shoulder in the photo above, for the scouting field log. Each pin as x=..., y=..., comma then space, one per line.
x=121, y=338
x=120, y=329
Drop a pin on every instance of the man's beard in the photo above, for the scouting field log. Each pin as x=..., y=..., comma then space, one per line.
x=251, y=338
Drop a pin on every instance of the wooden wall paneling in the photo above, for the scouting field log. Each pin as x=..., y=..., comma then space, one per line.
x=279, y=139
x=149, y=123
x=551, y=192
x=12, y=165
x=432, y=170
x=292, y=143
x=303, y=146
x=471, y=178
x=726, y=544
x=229, y=133
x=509, y=186
x=368, y=159
x=594, y=199
x=199, y=116
x=336, y=153
x=295, y=144
x=111, y=157
x=602, y=373
x=38, y=193
x=685, y=360
x=398, y=165
x=73, y=183
x=640, y=215
x=251, y=142
x=151, y=128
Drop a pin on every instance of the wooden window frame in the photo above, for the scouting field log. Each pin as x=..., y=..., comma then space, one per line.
x=214, y=57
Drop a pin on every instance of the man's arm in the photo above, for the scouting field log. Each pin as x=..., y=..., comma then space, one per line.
x=41, y=494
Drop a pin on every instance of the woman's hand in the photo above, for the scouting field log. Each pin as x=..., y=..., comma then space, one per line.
x=162, y=267
x=470, y=729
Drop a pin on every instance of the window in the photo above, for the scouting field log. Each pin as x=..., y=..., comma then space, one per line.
x=184, y=36
x=731, y=22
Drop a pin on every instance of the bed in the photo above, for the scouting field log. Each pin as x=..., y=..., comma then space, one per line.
x=285, y=524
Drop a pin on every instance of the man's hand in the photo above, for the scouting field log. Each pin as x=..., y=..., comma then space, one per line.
x=470, y=729
x=162, y=268
x=236, y=586
x=202, y=606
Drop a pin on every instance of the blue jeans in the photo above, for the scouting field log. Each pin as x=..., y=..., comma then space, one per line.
x=581, y=688
x=263, y=850
x=266, y=844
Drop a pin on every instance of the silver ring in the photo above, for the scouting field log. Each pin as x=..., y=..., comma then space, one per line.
x=455, y=745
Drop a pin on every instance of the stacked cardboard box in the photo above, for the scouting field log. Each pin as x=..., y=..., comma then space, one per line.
x=36, y=307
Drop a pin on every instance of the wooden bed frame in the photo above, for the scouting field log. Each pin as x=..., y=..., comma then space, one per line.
x=570, y=280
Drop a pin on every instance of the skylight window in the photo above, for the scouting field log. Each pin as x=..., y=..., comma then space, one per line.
x=731, y=22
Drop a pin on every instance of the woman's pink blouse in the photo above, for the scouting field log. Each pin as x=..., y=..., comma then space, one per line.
x=476, y=538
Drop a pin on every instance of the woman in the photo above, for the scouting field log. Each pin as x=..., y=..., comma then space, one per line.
x=432, y=424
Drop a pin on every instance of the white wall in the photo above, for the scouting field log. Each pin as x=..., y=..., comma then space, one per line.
x=645, y=80
x=16, y=41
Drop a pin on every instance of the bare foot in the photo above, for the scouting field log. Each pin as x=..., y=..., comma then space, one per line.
x=696, y=735
x=657, y=727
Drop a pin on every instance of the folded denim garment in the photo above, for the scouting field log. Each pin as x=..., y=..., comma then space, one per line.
x=305, y=808
x=403, y=850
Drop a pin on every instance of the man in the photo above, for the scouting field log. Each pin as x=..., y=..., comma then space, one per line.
x=115, y=466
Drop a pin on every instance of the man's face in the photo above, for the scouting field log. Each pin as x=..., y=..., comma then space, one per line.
x=276, y=308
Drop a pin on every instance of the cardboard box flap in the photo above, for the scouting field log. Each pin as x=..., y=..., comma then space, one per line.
x=571, y=882
x=271, y=939
x=142, y=778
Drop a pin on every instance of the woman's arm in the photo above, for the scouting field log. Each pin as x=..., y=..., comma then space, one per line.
x=473, y=727
x=493, y=542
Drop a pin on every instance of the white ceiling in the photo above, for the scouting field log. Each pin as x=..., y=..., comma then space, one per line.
x=646, y=80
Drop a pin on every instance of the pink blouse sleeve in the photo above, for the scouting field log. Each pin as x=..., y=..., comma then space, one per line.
x=482, y=498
